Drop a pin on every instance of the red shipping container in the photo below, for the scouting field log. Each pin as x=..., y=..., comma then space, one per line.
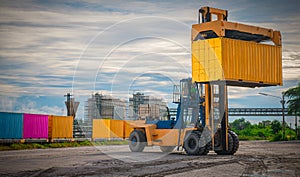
x=35, y=126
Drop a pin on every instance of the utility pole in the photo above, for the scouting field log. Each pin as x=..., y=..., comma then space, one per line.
x=296, y=126
x=282, y=101
x=290, y=131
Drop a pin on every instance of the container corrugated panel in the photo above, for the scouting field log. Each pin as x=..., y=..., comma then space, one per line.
x=101, y=128
x=117, y=128
x=35, y=126
x=11, y=125
x=127, y=128
x=60, y=127
x=236, y=61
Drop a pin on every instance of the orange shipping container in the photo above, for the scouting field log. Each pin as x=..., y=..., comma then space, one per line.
x=101, y=128
x=117, y=128
x=127, y=128
x=240, y=63
x=60, y=126
x=109, y=128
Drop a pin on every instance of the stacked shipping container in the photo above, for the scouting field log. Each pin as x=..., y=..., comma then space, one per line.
x=11, y=125
x=60, y=127
x=20, y=126
x=108, y=128
x=127, y=128
x=35, y=126
x=101, y=128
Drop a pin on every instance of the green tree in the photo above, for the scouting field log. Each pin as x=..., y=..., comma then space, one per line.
x=276, y=126
x=294, y=100
x=240, y=124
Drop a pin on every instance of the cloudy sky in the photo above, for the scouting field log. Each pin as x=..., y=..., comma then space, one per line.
x=49, y=48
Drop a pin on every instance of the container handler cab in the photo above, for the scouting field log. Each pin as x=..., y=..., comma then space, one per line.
x=223, y=54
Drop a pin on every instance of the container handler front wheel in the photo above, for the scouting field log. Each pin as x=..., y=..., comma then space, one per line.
x=195, y=145
x=191, y=144
x=137, y=141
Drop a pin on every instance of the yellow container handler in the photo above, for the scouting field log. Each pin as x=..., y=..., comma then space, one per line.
x=223, y=54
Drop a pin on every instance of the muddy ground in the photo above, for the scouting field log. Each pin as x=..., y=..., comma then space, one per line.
x=254, y=158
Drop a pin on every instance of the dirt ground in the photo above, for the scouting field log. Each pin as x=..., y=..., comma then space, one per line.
x=254, y=158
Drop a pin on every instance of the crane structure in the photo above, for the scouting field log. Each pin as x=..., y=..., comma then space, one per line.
x=223, y=54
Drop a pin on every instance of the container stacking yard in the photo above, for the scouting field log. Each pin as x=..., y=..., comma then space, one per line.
x=23, y=127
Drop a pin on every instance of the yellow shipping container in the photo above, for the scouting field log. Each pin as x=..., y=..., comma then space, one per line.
x=60, y=127
x=117, y=128
x=127, y=128
x=239, y=63
x=109, y=128
x=101, y=128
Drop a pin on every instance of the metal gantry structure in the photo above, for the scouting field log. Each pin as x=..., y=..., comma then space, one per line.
x=248, y=112
x=257, y=112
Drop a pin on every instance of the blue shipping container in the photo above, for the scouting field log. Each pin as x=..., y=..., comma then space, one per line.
x=11, y=125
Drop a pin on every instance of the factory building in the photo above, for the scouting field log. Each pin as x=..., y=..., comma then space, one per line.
x=139, y=107
x=146, y=107
x=104, y=107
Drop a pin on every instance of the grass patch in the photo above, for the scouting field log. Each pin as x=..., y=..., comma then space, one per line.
x=19, y=146
x=104, y=143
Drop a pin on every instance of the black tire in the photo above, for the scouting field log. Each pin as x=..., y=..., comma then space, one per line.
x=207, y=148
x=230, y=147
x=204, y=145
x=191, y=144
x=236, y=142
x=137, y=141
x=167, y=148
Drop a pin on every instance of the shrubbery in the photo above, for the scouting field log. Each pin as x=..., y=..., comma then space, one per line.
x=265, y=130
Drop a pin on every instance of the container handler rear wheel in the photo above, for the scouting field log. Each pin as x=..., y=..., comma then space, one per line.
x=167, y=148
x=232, y=145
x=137, y=141
x=236, y=142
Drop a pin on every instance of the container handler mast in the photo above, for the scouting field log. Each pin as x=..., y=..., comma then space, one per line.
x=223, y=54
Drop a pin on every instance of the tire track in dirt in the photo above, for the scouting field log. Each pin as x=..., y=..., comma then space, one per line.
x=254, y=166
x=116, y=167
x=190, y=166
x=253, y=159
